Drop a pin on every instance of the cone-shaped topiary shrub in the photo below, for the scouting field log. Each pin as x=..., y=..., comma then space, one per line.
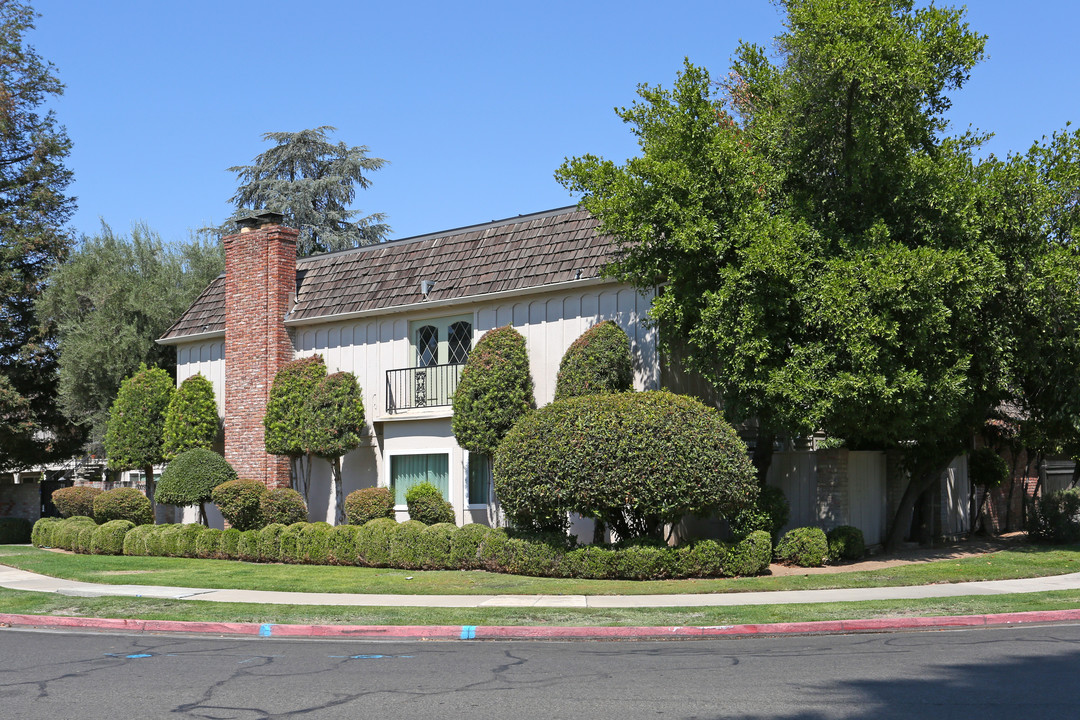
x=191, y=420
x=136, y=425
x=369, y=503
x=72, y=501
x=108, y=539
x=805, y=547
x=123, y=504
x=426, y=505
x=191, y=477
x=286, y=416
x=240, y=502
x=596, y=363
x=283, y=506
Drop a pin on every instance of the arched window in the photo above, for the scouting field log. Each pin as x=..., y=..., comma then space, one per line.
x=460, y=342
x=427, y=346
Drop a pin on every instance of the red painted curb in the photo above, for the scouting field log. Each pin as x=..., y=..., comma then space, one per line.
x=468, y=632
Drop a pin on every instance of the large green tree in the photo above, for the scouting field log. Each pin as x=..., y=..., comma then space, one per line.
x=34, y=207
x=829, y=254
x=312, y=181
x=109, y=302
x=334, y=426
x=136, y=425
x=286, y=418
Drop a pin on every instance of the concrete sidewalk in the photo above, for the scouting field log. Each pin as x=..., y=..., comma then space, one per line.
x=22, y=580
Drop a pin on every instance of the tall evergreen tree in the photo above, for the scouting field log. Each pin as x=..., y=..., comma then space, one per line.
x=312, y=181
x=136, y=427
x=33, y=211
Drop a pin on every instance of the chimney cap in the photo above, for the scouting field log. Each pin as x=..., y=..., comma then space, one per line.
x=258, y=218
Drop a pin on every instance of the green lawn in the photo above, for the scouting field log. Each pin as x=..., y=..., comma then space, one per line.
x=1027, y=561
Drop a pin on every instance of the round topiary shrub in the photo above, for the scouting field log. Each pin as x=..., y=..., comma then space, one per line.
x=703, y=558
x=135, y=540
x=191, y=477
x=15, y=531
x=66, y=535
x=494, y=391
x=750, y=556
x=108, y=539
x=171, y=536
x=770, y=513
x=636, y=461
x=426, y=505
x=229, y=544
x=247, y=548
x=123, y=504
x=369, y=503
x=270, y=542
x=289, y=550
x=208, y=544
x=314, y=543
x=154, y=544
x=343, y=544
x=596, y=363
x=845, y=543
x=434, y=546
x=373, y=543
x=240, y=502
x=283, y=506
x=187, y=543
x=41, y=535
x=72, y=501
x=805, y=547
x=405, y=545
x=83, y=539
x=465, y=545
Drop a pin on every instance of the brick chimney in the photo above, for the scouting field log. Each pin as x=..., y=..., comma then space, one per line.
x=260, y=282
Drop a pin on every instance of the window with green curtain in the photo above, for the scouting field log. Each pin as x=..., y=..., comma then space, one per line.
x=479, y=479
x=409, y=470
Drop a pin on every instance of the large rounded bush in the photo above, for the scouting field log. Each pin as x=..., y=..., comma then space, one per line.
x=123, y=504
x=191, y=477
x=426, y=505
x=598, y=362
x=108, y=539
x=72, y=501
x=284, y=506
x=805, y=547
x=634, y=460
x=369, y=503
x=240, y=502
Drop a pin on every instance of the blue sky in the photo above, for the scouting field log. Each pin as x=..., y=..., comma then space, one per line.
x=474, y=104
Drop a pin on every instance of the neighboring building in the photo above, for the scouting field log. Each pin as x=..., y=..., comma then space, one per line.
x=402, y=316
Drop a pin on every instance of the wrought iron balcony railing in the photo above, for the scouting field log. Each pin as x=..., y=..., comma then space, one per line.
x=421, y=387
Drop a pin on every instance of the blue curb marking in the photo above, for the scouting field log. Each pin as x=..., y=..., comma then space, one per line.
x=468, y=632
x=265, y=630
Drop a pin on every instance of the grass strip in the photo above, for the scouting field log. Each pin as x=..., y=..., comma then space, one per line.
x=33, y=603
x=1025, y=562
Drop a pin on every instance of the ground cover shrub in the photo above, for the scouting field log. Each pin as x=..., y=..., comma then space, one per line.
x=636, y=461
x=314, y=543
x=270, y=542
x=343, y=541
x=369, y=503
x=135, y=540
x=465, y=545
x=41, y=535
x=15, y=531
x=373, y=542
x=240, y=503
x=434, y=546
x=247, y=547
x=123, y=504
x=83, y=539
x=289, y=550
x=405, y=545
x=108, y=539
x=805, y=547
x=426, y=505
x=283, y=506
x=598, y=362
x=73, y=501
x=66, y=534
x=208, y=544
x=770, y=512
x=229, y=544
x=1055, y=517
x=845, y=543
x=190, y=478
x=749, y=556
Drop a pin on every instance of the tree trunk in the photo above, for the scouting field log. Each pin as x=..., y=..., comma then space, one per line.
x=1076, y=472
x=915, y=488
x=339, y=494
x=763, y=454
x=148, y=472
x=202, y=514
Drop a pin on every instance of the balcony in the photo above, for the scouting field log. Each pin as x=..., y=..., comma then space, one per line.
x=421, y=387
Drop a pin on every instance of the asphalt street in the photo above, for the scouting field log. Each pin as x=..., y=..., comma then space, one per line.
x=989, y=673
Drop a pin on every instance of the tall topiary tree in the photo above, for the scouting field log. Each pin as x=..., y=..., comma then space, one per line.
x=191, y=420
x=495, y=390
x=334, y=425
x=190, y=479
x=136, y=426
x=284, y=420
x=597, y=362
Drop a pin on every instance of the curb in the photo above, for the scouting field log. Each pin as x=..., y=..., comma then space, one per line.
x=492, y=632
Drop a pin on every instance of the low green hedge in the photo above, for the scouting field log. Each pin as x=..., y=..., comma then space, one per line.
x=208, y=544
x=63, y=534
x=135, y=539
x=15, y=531
x=41, y=535
x=108, y=539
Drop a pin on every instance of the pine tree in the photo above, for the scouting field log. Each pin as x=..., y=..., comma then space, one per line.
x=33, y=211
x=312, y=181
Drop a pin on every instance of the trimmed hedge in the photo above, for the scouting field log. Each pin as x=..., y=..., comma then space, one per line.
x=240, y=502
x=41, y=535
x=208, y=544
x=247, y=549
x=229, y=544
x=270, y=542
x=426, y=505
x=405, y=545
x=805, y=547
x=283, y=506
x=83, y=538
x=66, y=533
x=343, y=540
x=369, y=503
x=314, y=543
x=289, y=550
x=373, y=543
x=135, y=540
x=596, y=363
x=108, y=539
x=465, y=545
x=72, y=501
x=636, y=461
x=845, y=543
x=15, y=531
x=751, y=556
x=123, y=504
x=435, y=546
